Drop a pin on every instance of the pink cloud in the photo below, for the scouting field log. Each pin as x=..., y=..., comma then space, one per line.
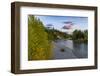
x=68, y=25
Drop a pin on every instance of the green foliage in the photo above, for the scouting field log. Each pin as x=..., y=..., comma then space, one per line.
x=54, y=34
x=77, y=35
x=51, y=34
x=39, y=47
x=86, y=35
x=80, y=35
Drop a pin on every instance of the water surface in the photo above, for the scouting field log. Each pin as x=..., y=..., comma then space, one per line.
x=68, y=49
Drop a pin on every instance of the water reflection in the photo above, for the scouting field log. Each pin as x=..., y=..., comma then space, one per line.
x=67, y=49
x=80, y=49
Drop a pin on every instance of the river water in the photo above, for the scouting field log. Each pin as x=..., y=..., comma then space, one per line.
x=67, y=49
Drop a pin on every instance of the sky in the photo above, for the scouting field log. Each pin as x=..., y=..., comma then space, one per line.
x=65, y=23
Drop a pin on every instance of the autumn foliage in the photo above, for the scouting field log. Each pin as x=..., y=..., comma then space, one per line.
x=39, y=47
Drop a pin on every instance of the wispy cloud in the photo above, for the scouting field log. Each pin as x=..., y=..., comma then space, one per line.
x=49, y=25
x=68, y=22
x=68, y=25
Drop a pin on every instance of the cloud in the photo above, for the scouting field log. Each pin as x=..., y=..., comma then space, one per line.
x=68, y=22
x=49, y=25
x=68, y=25
x=74, y=28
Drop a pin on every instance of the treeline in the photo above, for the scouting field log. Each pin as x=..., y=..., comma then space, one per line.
x=79, y=35
x=54, y=34
x=39, y=47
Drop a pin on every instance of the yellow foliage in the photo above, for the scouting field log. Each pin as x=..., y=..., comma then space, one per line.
x=39, y=47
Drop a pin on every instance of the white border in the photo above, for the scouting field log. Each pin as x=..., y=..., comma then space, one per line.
x=25, y=64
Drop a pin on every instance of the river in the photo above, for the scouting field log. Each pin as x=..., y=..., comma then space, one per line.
x=68, y=49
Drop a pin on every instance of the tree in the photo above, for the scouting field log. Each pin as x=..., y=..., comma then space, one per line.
x=86, y=35
x=80, y=35
x=39, y=48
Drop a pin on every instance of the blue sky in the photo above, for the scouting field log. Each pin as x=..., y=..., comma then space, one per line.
x=58, y=22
